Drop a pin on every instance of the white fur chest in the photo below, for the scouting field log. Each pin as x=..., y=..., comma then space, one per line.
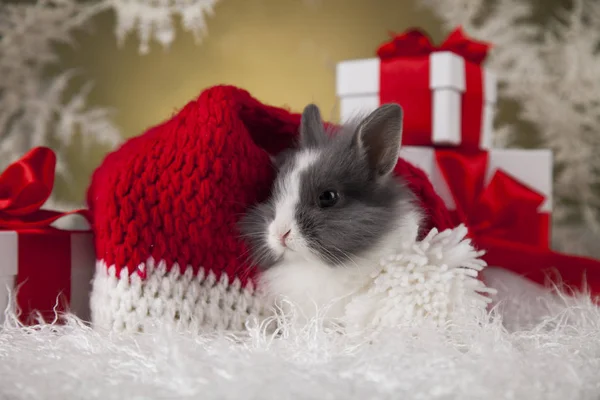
x=315, y=288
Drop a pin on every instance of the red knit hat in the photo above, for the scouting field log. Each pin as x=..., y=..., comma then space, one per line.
x=165, y=207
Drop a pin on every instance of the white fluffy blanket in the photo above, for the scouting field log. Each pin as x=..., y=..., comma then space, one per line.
x=531, y=345
x=550, y=349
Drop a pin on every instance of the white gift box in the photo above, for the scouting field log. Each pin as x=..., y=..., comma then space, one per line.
x=533, y=168
x=358, y=88
x=82, y=258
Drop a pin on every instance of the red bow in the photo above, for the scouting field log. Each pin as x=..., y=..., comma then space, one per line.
x=24, y=187
x=416, y=43
x=503, y=219
x=505, y=208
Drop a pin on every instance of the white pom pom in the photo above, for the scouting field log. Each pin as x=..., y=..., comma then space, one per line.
x=434, y=280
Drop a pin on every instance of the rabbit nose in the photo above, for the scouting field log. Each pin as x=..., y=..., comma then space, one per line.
x=284, y=237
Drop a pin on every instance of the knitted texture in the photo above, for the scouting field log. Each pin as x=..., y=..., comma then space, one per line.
x=196, y=302
x=165, y=207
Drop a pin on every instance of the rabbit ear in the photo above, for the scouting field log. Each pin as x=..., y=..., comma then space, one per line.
x=378, y=137
x=312, y=131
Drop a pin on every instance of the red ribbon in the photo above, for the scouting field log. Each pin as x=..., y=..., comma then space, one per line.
x=44, y=273
x=503, y=219
x=416, y=43
x=44, y=253
x=404, y=79
x=24, y=187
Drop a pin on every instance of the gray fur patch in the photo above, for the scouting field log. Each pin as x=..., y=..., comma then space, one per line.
x=368, y=207
x=371, y=201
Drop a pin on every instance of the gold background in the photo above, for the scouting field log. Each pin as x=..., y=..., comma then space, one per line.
x=283, y=51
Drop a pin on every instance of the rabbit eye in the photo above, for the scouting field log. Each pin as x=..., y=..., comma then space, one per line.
x=328, y=198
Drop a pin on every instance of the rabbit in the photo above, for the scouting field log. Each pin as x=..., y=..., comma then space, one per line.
x=335, y=210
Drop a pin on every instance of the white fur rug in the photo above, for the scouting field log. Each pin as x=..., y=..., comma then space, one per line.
x=548, y=348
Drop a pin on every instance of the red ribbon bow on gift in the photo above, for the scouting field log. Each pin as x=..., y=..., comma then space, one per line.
x=405, y=78
x=24, y=187
x=504, y=208
x=504, y=220
x=416, y=43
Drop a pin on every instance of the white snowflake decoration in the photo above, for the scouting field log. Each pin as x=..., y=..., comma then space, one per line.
x=153, y=19
x=433, y=281
x=34, y=108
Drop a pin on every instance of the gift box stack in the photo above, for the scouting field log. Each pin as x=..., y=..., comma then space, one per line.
x=504, y=196
x=44, y=271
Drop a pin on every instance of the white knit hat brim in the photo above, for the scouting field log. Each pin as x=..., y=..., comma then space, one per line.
x=197, y=302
